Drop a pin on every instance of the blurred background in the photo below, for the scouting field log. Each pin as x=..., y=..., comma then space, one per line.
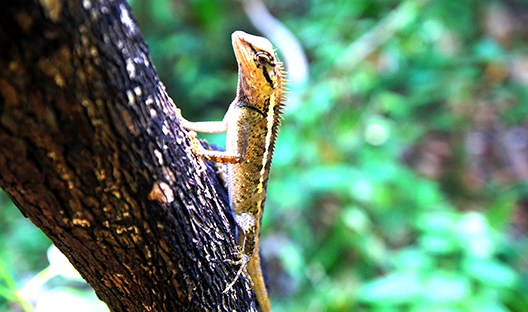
x=399, y=180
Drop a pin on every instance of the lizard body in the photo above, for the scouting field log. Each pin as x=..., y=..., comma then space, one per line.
x=251, y=122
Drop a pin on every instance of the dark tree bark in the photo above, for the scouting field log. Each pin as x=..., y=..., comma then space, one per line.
x=91, y=152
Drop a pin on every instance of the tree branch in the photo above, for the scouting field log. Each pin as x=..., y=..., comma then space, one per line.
x=91, y=152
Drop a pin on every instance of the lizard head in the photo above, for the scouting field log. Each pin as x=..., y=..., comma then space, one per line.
x=259, y=67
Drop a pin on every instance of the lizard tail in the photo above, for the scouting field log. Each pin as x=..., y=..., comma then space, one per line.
x=258, y=282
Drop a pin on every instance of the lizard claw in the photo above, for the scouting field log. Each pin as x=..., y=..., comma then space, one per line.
x=243, y=262
x=195, y=143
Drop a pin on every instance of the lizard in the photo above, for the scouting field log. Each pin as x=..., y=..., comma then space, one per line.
x=251, y=123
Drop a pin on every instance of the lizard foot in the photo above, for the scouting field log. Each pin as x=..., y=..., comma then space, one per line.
x=243, y=262
x=195, y=144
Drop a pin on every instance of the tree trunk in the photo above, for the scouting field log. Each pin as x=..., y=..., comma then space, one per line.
x=91, y=152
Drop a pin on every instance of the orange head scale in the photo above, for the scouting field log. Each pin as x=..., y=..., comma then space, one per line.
x=261, y=73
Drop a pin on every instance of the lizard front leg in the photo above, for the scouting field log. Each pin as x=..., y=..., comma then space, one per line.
x=208, y=127
x=248, y=224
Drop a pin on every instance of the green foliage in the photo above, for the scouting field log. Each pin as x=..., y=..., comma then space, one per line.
x=9, y=290
x=391, y=188
x=50, y=288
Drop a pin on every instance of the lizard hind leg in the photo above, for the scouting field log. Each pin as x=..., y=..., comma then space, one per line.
x=247, y=223
x=243, y=262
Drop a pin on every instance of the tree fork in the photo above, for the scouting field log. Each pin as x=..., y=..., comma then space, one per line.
x=91, y=153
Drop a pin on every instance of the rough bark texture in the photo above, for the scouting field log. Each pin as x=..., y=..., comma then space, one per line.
x=90, y=151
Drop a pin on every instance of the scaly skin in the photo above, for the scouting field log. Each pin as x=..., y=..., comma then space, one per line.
x=251, y=122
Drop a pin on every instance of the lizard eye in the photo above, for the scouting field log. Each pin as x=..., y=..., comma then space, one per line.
x=262, y=58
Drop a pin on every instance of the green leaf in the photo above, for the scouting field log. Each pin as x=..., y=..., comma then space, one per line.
x=356, y=219
x=440, y=222
x=413, y=259
x=392, y=289
x=443, y=287
x=438, y=244
x=491, y=272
